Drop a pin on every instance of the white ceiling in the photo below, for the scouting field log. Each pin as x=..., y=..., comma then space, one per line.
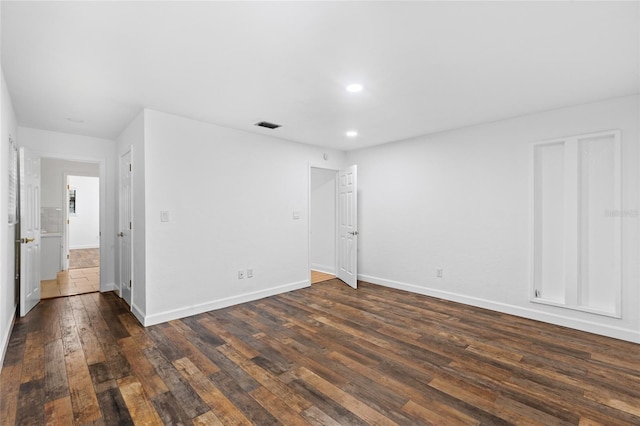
x=426, y=66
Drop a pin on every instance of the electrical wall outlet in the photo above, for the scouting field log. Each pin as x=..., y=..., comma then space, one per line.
x=439, y=272
x=240, y=275
x=249, y=273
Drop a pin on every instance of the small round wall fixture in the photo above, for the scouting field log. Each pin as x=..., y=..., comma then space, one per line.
x=354, y=88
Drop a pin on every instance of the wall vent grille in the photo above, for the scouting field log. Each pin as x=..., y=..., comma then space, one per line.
x=268, y=125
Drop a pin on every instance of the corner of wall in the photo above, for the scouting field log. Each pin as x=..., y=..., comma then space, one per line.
x=8, y=303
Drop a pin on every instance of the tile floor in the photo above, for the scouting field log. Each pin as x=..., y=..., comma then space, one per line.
x=71, y=282
x=84, y=258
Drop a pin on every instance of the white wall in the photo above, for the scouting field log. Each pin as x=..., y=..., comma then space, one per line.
x=8, y=292
x=132, y=139
x=323, y=220
x=84, y=225
x=93, y=150
x=53, y=172
x=230, y=197
x=459, y=200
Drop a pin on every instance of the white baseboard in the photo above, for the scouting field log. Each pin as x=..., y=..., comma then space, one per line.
x=327, y=269
x=627, y=334
x=6, y=335
x=215, y=304
x=137, y=312
x=108, y=287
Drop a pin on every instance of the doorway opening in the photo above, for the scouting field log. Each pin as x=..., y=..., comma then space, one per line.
x=70, y=223
x=333, y=223
x=322, y=224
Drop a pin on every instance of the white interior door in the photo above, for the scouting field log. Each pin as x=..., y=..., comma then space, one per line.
x=29, y=231
x=124, y=234
x=348, y=226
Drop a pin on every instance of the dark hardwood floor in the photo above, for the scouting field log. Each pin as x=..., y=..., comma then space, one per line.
x=325, y=355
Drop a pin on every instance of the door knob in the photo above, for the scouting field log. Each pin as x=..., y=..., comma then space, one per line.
x=121, y=234
x=28, y=240
x=354, y=232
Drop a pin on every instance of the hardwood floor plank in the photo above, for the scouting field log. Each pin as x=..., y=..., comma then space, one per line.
x=275, y=386
x=229, y=338
x=352, y=404
x=142, y=368
x=55, y=377
x=161, y=343
x=83, y=397
x=30, y=410
x=321, y=355
x=224, y=409
x=51, y=330
x=116, y=362
x=102, y=377
x=277, y=407
x=92, y=349
x=15, y=348
x=328, y=406
x=9, y=389
x=169, y=410
x=316, y=417
x=58, y=412
x=33, y=364
x=618, y=403
x=203, y=363
x=242, y=400
x=139, y=407
x=207, y=419
x=245, y=381
x=136, y=330
x=192, y=404
x=437, y=417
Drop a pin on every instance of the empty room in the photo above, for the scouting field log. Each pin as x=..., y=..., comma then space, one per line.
x=320, y=213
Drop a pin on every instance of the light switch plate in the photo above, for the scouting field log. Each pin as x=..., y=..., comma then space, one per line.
x=164, y=216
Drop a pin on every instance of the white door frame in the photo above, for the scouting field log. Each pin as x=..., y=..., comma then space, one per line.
x=335, y=251
x=65, y=225
x=337, y=224
x=103, y=206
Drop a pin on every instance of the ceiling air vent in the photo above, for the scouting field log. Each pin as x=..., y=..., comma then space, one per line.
x=267, y=125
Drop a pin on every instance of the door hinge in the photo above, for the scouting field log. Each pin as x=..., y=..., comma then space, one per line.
x=67, y=221
x=129, y=166
x=129, y=283
x=67, y=257
x=68, y=187
x=129, y=225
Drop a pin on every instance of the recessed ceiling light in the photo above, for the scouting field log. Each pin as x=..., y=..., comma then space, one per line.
x=352, y=133
x=353, y=88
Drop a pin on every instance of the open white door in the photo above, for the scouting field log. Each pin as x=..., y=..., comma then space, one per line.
x=348, y=226
x=29, y=231
x=124, y=225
